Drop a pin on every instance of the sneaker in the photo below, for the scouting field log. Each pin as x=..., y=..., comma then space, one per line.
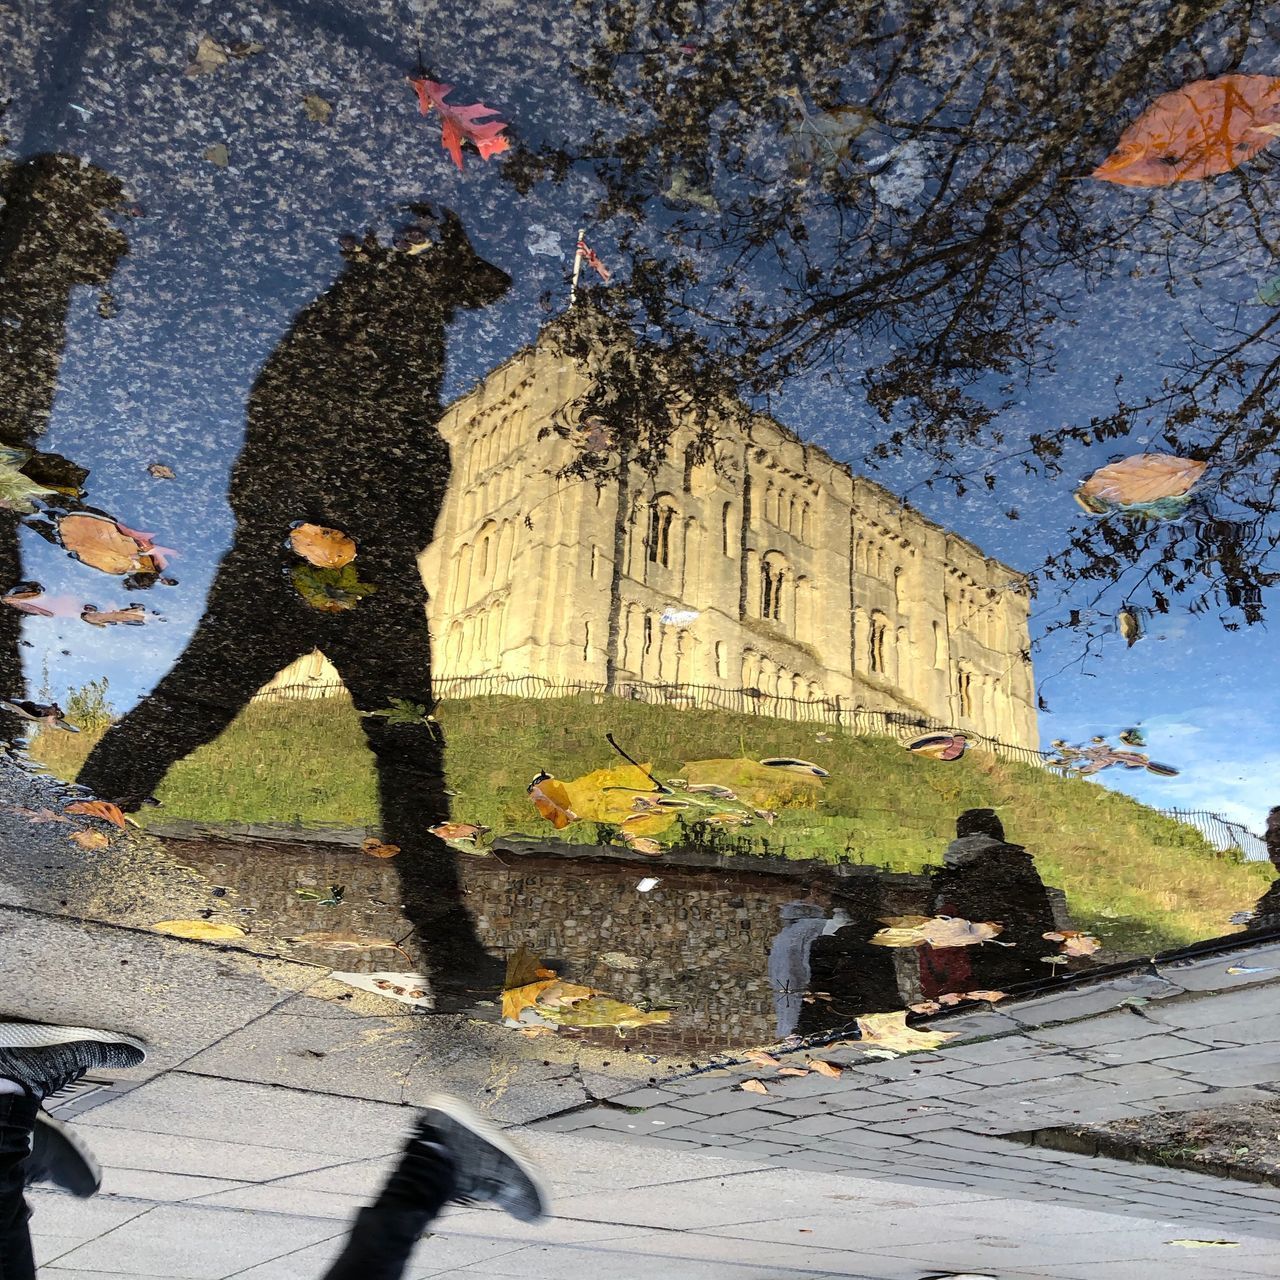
x=486, y=1167
x=59, y=1157
x=44, y=1059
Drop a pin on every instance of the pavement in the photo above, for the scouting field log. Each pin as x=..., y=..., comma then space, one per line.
x=274, y=1100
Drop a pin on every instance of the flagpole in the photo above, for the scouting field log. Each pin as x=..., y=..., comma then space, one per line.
x=577, y=264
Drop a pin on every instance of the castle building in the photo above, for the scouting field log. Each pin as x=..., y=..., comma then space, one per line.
x=769, y=568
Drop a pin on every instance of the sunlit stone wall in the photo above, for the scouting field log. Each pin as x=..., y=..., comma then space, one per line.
x=809, y=582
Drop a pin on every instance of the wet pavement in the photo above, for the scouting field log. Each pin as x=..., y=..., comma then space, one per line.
x=696, y=575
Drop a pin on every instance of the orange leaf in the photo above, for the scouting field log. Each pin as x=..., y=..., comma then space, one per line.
x=514, y=999
x=552, y=800
x=376, y=849
x=325, y=548
x=89, y=839
x=793, y=1071
x=1203, y=129
x=753, y=1086
x=461, y=123
x=830, y=1069
x=762, y=1059
x=98, y=809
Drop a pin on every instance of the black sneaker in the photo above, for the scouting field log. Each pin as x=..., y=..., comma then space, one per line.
x=486, y=1167
x=59, y=1157
x=43, y=1058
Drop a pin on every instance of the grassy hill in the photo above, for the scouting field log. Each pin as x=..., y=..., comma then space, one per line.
x=1138, y=879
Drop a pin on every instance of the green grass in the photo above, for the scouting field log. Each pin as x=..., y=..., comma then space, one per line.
x=1140, y=880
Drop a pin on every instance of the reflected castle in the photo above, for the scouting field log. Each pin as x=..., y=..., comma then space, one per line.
x=808, y=581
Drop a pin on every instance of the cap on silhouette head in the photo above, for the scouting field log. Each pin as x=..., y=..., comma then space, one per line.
x=979, y=822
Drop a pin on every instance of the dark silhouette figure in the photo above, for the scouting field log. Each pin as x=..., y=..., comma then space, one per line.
x=341, y=433
x=987, y=878
x=1266, y=914
x=54, y=235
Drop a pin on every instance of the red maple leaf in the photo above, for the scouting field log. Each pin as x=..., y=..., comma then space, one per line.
x=461, y=122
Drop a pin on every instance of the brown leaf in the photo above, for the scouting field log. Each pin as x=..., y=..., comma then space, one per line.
x=830, y=1069
x=103, y=543
x=37, y=816
x=133, y=615
x=89, y=839
x=217, y=153
x=317, y=108
x=208, y=57
x=160, y=471
x=762, y=1059
x=793, y=1071
x=376, y=849
x=936, y=931
x=322, y=547
x=99, y=809
x=753, y=1086
x=552, y=800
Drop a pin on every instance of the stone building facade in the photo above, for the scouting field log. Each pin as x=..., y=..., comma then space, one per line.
x=809, y=582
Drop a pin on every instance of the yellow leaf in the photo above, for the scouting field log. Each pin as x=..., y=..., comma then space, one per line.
x=551, y=799
x=753, y=1086
x=755, y=785
x=1207, y=1244
x=830, y=1069
x=603, y=1011
x=609, y=795
x=89, y=839
x=202, y=930
x=562, y=994
x=890, y=1031
x=937, y=931
x=516, y=999
x=325, y=548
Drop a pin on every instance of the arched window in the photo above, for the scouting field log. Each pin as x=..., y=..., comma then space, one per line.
x=773, y=578
x=964, y=692
x=875, y=641
x=724, y=527
x=662, y=514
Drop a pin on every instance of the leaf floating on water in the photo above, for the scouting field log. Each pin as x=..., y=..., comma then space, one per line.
x=330, y=590
x=1236, y=969
x=408, y=988
x=1205, y=128
x=109, y=546
x=1129, y=623
x=89, y=839
x=403, y=711
x=322, y=547
x=604, y=1011
x=1151, y=484
x=133, y=615
x=200, y=930
x=1074, y=943
x=318, y=109
x=48, y=714
x=551, y=799
x=936, y=931
x=27, y=597
x=890, y=1031
x=99, y=809
x=642, y=844
x=216, y=153
x=208, y=57
x=376, y=849
x=159, y=471
x=19, y=492
x=461, y=123
x=753, y=1086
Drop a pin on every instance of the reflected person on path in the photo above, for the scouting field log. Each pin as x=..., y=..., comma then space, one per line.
x=341, y=434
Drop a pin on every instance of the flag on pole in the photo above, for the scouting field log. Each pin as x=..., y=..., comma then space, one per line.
x=588, y=256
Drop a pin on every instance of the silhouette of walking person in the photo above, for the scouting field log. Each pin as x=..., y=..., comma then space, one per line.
x=54, y=235
x=341, y=433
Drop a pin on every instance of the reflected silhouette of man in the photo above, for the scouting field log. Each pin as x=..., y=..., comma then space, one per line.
x=54, y=234
x=341, y=433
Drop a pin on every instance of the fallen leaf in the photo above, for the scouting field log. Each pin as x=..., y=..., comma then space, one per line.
x=48, y=714
x=99, y=809
x=26, y=597
x=936, y=931
x=551, y=799
x=523, y=967
x=317, y=108
x=208, y=57
x=642, y=844
x=38, y=816
x=1073, y=943
x=1153, y=484
x=461, y=123
x=160, y=471
x=604, y=1011
x=217, y=153
x=793, y=1071
x=991, y=996
x=1206, y=1244
x=325, y=548
x=890, y=1031
x=330, y=590
x=830, y=1069
x=376, y=849
x=608, y=795
x=1205, y=128
x=133, y=615
x=347, y=940
x=19, y=492
x=619, y=960
x=516, y=999
x=560, y=995
x=458, y=830
x=89, y=839
x=107, y=545
x=762, y=1059
x=408, y=988
x=925, y=1006
x=201, y=930
x=753, y=1086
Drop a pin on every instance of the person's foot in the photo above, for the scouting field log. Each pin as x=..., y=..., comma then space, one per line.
x=486, y=1167
x=44, y=1059
x=59, y=1157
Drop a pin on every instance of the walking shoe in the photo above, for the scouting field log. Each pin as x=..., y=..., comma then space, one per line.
x=486, y=1167
x=43, y=1058
x=58, y=1156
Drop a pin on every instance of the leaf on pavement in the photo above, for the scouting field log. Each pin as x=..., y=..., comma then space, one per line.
x=200, y=930
x=604, y=1011
x=89, y=839
x=326, y=548
x=99, y=809
x=753, y=1086
x=830, y=1069
x=376, y=849
x=890, y=1031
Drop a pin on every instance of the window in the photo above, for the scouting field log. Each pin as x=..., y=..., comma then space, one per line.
x=720, y=667
x=648, y=632
x=724, y=528
x=964, y=692
x=875, y=642
x=661, y=515
x=772, y=578
x=595, y=560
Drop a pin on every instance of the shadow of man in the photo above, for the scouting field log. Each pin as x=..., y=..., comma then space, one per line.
x=341, y=433
x=54, y=235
